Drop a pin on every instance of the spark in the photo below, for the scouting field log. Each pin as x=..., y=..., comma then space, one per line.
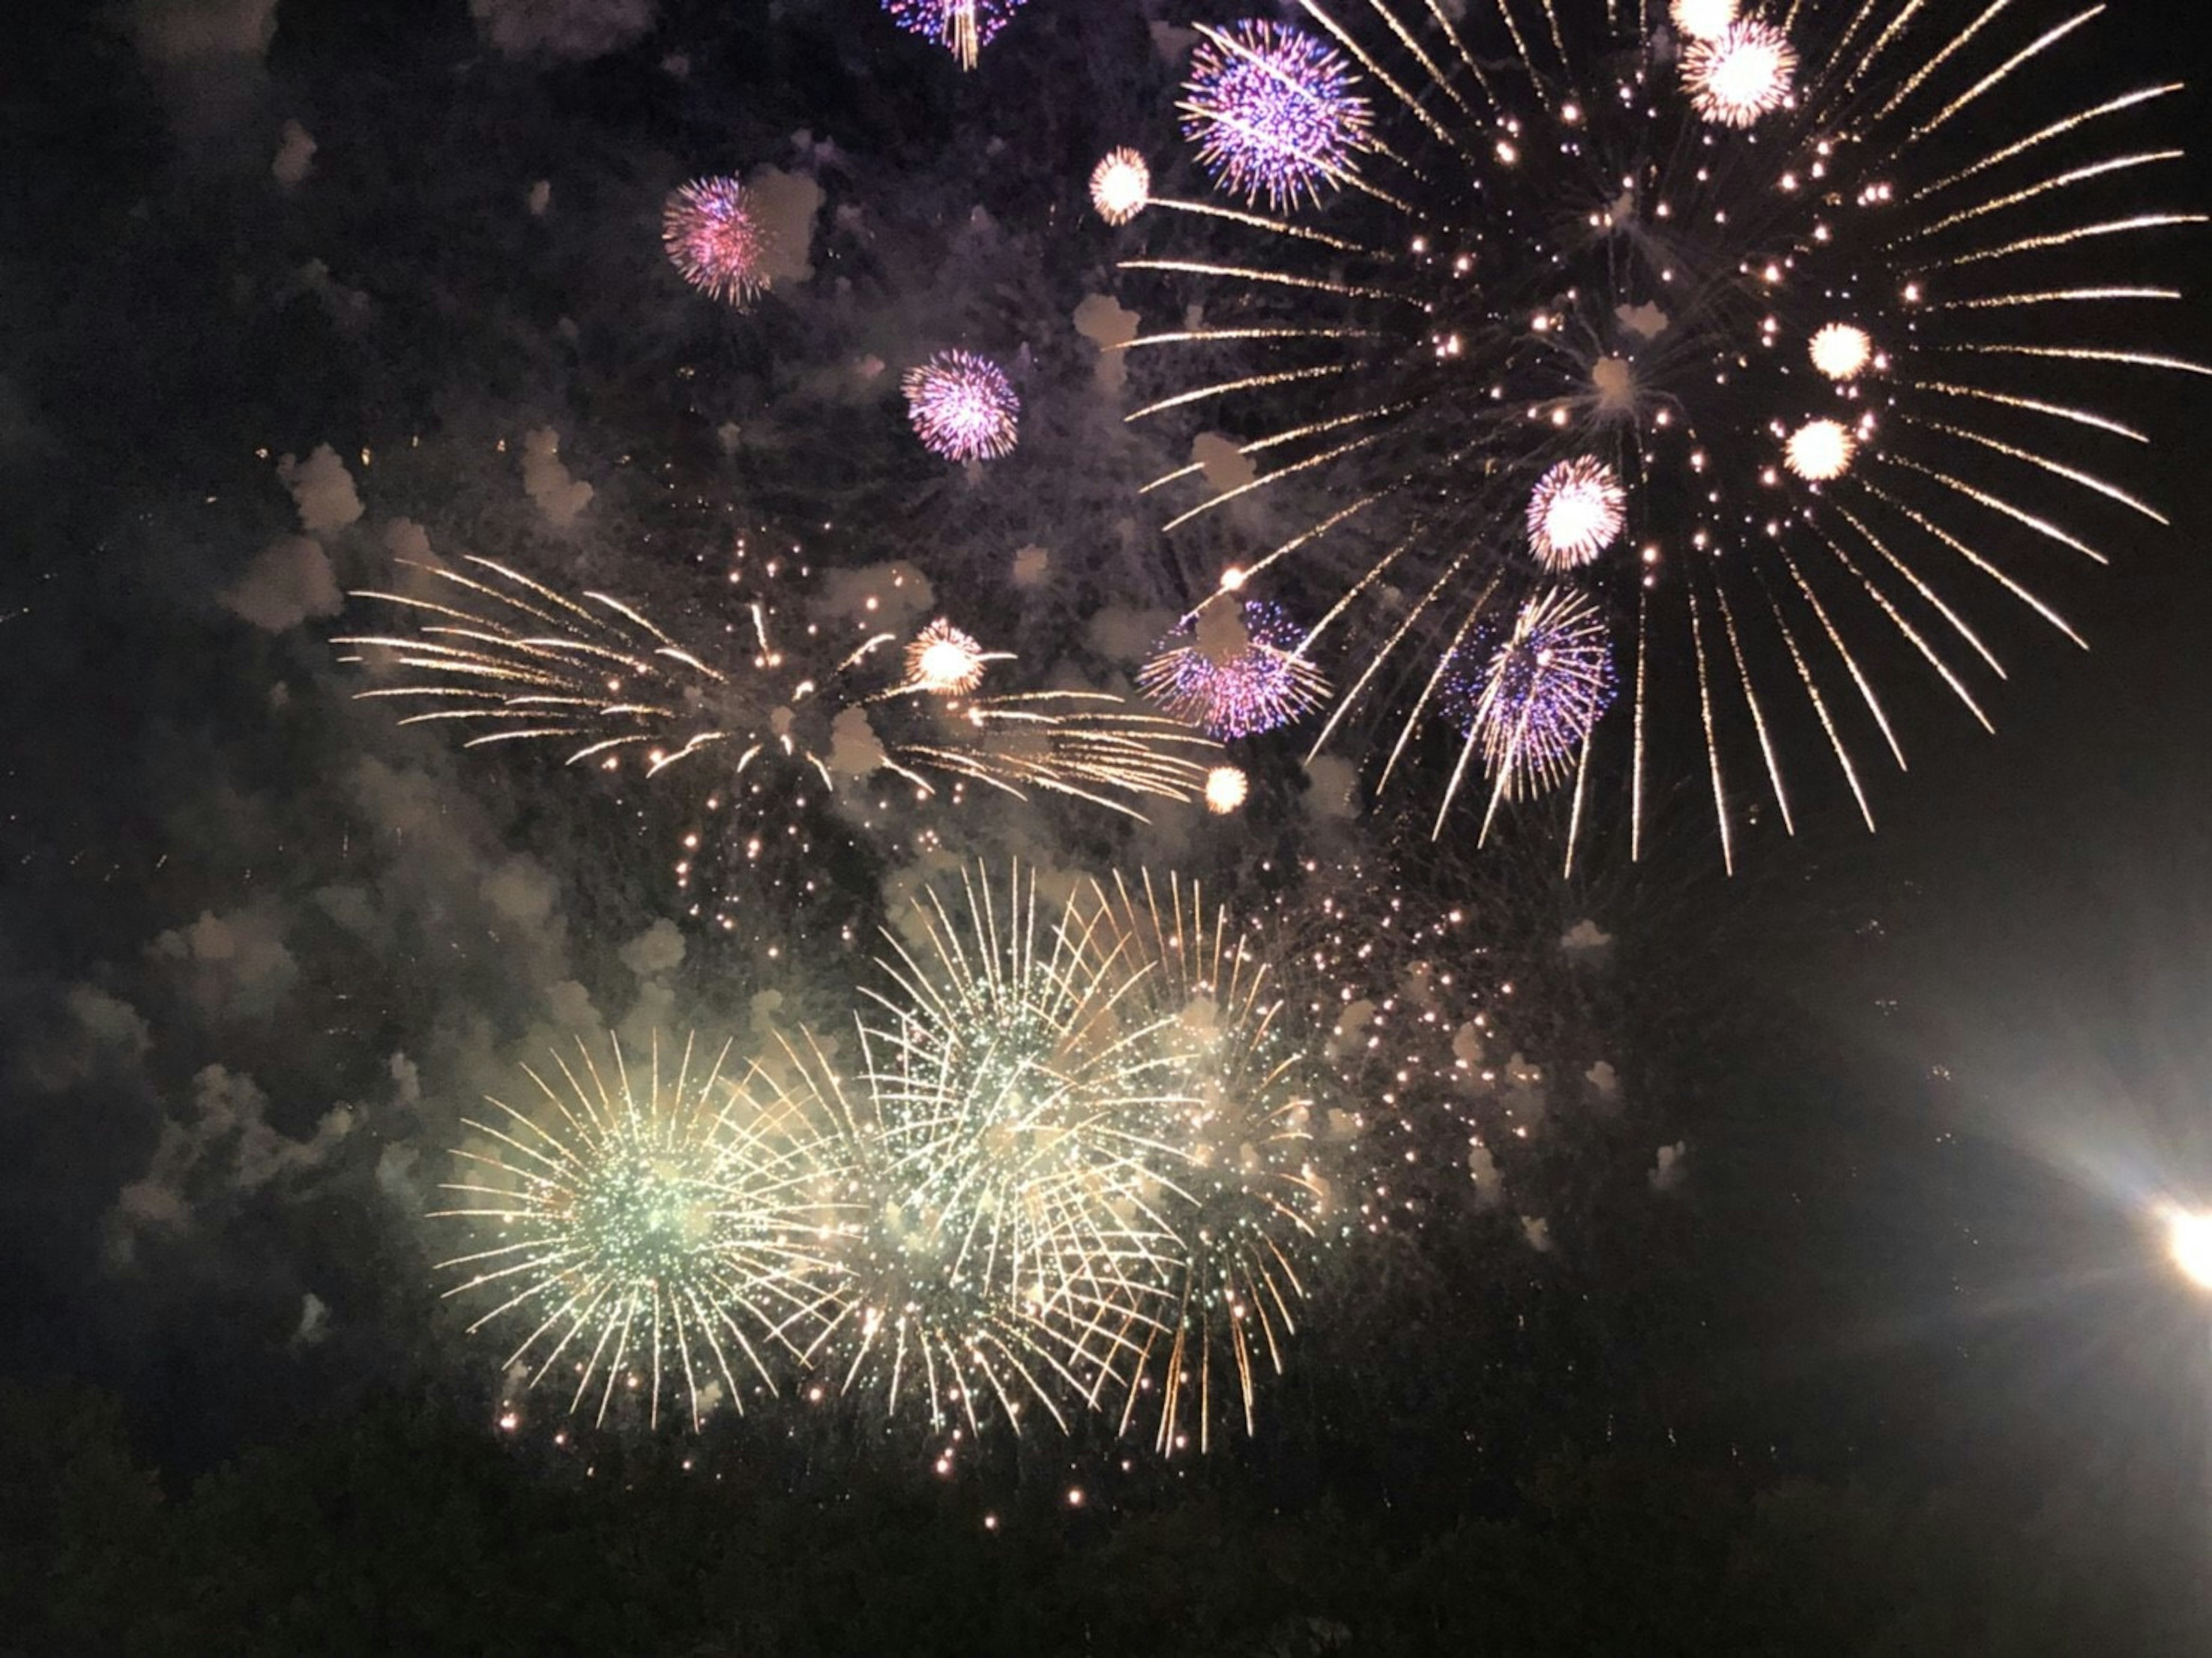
x=946, y=662
x=1703, y=20
x=1528, y=270
x=1248, y=1190
x=512, y=661
x=1540, y=693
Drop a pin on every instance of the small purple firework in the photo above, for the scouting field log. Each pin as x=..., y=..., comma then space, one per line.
x=714, y=240
x=1532, y=705
x=1272, y=111
x=963, y=28
x=1234, y=671
x=963, y=407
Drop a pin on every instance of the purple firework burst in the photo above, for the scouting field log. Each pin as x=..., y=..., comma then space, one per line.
x=1272, y=111
x=963, y=407
x=714, y=240
x=1234, y=671
x=963, y=28
x=1531, y=704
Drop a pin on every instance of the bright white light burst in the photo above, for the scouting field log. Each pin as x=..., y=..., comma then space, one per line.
x=2189, y=1240
x=1820, y=450
x=944, y=659
x=1742, y=73
x=1120, y=186
x=1701, y=20
x=1841, y=351
x=1225, y=789
x=1575, y=513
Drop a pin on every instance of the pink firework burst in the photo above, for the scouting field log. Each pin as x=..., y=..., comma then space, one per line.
x=963, y=407
x=963, y=28
x=716, y=239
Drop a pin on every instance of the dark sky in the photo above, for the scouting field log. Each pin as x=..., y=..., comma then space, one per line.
x=257, y=946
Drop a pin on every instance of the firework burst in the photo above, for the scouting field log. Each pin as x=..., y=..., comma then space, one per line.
x=1246, y=1197
x=1273, y=112
x=1845, y=362
x=714, y=240
x=963, y=407
x=1575, y=514
x=653, y=1231
x=1011, y=1250
x=1120, y=186
x=1234, y=671
x=1740, y=73
x=963, y=28
x=947, y=662
x=513, y=661
x=1531, y=709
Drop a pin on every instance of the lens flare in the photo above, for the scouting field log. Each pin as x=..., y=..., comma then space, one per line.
x=963, y=407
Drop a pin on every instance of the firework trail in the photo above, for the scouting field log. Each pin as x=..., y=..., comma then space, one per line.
x=1831, y=297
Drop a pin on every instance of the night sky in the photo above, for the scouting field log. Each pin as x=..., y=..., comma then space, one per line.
x=292, y=289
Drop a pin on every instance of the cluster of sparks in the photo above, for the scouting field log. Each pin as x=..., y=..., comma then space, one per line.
x=715, y=240
x=776, y=703
x=1531, y=707
x=1078, y=1168
x=1767, y=327
x=1234, y=670
x=963, y=407
x=1272, y=111
x=963, y=28
x=649, y=1230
